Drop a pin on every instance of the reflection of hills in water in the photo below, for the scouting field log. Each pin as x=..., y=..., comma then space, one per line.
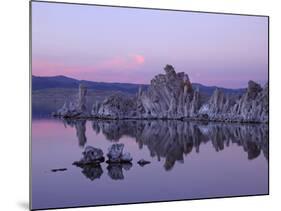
x=172, y=139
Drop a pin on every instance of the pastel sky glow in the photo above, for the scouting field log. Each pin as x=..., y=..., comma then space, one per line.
x=133, y=45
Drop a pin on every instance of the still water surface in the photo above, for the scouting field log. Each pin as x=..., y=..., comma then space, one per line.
x=189, y=160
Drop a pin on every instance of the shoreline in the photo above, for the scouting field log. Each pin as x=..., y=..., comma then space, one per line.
x=162, y=119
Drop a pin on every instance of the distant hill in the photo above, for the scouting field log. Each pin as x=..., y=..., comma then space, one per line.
x=39, y=82
x=50, y=93
x=210, y=89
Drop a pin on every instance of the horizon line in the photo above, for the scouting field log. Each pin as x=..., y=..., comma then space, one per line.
x=147, y=84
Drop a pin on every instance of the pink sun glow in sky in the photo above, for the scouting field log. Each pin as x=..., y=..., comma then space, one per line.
x=133, y=45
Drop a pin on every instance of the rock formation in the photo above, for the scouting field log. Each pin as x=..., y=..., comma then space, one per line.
x=115, y=154
x=91, y=156
x=217, y=107
x=117, y=106
x=74, y=109
x=171, y=96
x=250, y=107
x=253, y=106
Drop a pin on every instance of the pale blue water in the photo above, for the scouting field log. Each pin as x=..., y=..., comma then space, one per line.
x=188, y=161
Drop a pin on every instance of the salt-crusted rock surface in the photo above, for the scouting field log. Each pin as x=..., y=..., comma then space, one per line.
x=253, y=106
x=91, y=156
x=250, y=107
x=115, y=107
x=115, y=154
x=171, y=96
x=217, y=107
x=75, y=109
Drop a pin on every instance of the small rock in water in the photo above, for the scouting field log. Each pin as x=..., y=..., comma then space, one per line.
x=126, y=157
x=115, y=154
x=143, y=162
x=61, y=169
x=91, y=155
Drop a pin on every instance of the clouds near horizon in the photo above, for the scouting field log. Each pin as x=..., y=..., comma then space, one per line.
x=132, y=45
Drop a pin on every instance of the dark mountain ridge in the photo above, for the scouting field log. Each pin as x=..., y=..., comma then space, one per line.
x=47, y=82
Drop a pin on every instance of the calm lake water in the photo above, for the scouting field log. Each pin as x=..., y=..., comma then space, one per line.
x=189, y=160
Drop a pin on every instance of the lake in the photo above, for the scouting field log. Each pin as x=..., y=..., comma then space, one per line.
x=189, y=160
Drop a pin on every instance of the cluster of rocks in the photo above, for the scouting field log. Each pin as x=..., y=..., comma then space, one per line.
x=115, y=107
x=74, y=109
x=115, y=154
x=95, y=156
x=171, y=96
x=117, y=161
x=91, y=156
x=250, y=107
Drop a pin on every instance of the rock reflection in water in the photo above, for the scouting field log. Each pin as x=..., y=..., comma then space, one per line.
x=173, y=139
x=92, y=172
x=113, y=132
x=115, y=170
x=80, y=127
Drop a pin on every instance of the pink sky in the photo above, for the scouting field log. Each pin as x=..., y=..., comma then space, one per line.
x=133, y=45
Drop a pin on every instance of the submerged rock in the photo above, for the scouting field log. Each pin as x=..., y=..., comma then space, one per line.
x=126, y=157
x=115, y=154
x=91, y=155
x=60, y=169
x=143, y=162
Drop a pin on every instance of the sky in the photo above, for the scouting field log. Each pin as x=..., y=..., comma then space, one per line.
x=111, y=44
